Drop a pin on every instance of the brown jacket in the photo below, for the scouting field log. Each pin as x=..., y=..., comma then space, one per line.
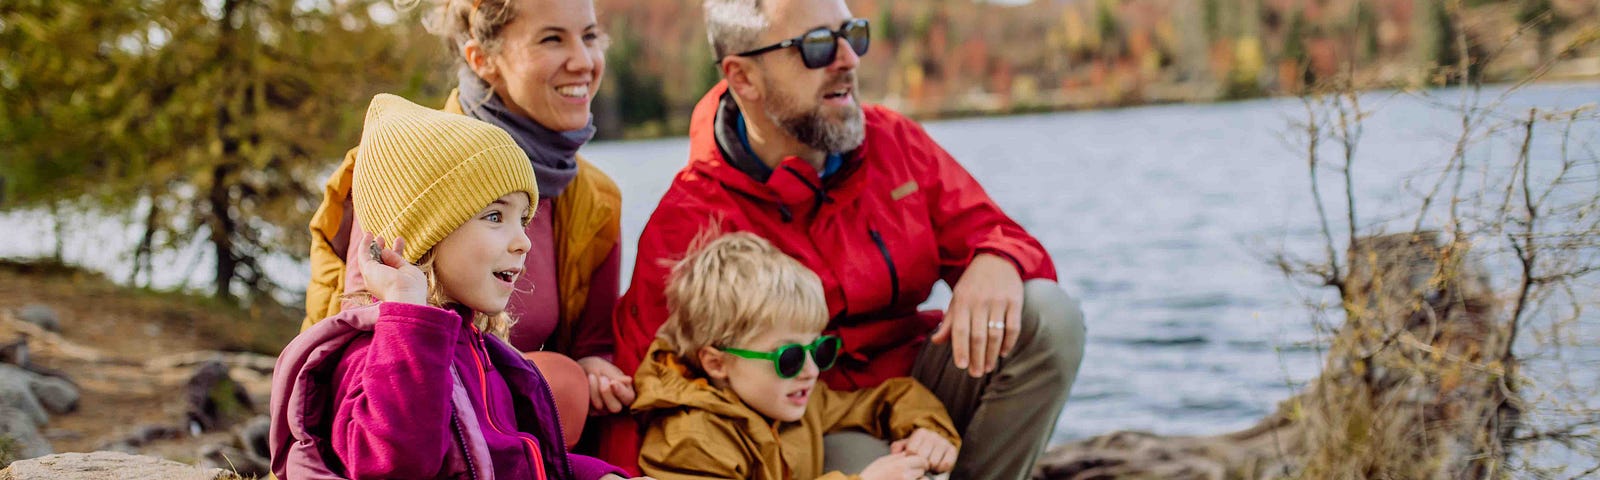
x=587, y=225
x=696, y=430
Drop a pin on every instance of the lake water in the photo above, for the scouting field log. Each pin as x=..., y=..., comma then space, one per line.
x=1161, y=219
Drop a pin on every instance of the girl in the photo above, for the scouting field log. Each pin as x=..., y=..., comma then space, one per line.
x=532, y=68
x=419, y=385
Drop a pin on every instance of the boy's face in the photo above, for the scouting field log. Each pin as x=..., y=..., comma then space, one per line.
x=757, y=382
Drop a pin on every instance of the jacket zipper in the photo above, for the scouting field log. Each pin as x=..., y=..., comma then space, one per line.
x=894, y=274
x=550, y=397
x=461, y=438
x=483, y=392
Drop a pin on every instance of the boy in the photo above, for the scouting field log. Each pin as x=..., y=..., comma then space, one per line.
x=729, y=387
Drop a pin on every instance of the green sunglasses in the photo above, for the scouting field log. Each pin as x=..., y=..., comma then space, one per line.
x=790, y=359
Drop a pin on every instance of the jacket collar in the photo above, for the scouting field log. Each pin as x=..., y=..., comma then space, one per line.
x=664, y=383
x=736, y=152
x=793, y=186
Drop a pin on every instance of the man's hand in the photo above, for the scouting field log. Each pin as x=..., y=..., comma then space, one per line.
x=985, y=314
x=388, y=275
x=939, y=452
x=609, y=390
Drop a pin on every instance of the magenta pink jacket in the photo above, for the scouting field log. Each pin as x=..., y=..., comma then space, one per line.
x=408, y=391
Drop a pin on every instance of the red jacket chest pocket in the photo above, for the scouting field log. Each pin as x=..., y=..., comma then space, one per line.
x=886, y=255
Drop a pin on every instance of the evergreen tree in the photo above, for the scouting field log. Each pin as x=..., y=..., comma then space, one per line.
x=223, y=115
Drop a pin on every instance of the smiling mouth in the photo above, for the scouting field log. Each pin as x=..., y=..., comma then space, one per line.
x=840, y=92
x=573, y=91
x=508, y=276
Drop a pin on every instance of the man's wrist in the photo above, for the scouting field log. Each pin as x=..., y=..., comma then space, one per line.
x=1001, y=255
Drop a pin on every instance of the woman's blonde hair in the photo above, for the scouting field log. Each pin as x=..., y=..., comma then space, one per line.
x=498, y=324
x=732, y=287
x=457, y=21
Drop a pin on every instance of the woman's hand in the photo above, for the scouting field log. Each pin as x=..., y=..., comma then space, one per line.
x=388, y=275
x=609, y=390
x=939, y=452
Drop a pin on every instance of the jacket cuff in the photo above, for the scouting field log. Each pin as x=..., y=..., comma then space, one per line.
x=422, y=316
x=1021, y=270
x=1031, y=262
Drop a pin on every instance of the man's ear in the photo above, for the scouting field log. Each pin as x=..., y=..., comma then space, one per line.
x=478, y=60
x=714, y=362
x=743, y=77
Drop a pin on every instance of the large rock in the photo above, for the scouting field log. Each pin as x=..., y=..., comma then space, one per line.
x=41, y=315
x=15, y=352
x=215, y=400
x=103, y=465
x=254, y=436
x=224, y=456
x=22, y=412
x=57, y=394
x=16, y=392
x=249, y=455
x=20, y=437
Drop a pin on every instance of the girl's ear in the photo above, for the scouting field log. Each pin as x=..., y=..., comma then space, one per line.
x=714, y=362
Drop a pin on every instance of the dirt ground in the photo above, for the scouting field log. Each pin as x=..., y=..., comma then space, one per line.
x=119, y=344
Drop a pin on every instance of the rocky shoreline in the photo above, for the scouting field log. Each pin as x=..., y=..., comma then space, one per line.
x=1406, y=366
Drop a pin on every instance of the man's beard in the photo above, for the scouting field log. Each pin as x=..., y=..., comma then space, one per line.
x=829, y=133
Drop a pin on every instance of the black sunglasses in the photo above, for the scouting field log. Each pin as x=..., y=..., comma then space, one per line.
x=790, y=359
x=818, y=47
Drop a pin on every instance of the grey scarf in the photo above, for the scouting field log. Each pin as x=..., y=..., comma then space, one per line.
x=550, y=151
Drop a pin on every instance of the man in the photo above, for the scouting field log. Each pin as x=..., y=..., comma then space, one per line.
x=862, y=196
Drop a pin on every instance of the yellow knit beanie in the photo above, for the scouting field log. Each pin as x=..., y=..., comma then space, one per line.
x=420, y=173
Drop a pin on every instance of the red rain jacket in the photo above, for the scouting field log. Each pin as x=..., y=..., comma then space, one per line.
x=898, y=216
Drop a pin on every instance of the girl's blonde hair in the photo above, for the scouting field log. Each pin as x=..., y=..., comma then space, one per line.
x=498, y=324
x=733, y=287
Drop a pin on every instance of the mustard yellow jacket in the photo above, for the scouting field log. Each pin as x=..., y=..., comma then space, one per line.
x=587, y=225
x=696, y=430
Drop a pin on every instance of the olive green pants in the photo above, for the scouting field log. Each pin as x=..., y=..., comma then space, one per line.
x=1006, y=417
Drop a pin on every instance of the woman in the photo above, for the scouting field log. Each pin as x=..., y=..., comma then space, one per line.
x=530, y=67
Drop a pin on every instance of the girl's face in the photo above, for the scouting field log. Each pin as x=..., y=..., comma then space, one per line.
x=550, y=61
x=478, y=264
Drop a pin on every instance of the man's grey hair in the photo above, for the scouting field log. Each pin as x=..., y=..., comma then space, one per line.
x=734, y=26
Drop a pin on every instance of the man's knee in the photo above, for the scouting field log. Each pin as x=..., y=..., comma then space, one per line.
x=1057, y=323
x=850, y=451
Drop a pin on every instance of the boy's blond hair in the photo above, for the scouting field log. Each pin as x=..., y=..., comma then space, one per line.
x=732, y=288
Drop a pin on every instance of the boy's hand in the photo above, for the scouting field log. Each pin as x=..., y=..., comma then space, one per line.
x=939, y=452
x=388, y=275
x=609, y=390
x=896, y=466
